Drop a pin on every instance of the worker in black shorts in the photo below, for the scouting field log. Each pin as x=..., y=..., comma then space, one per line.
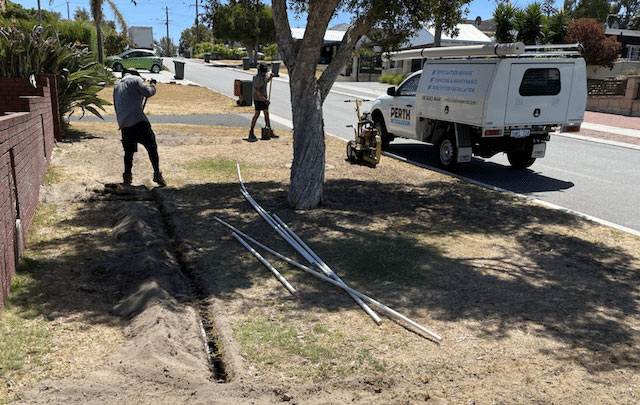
x=261, y=99
x=128, y=96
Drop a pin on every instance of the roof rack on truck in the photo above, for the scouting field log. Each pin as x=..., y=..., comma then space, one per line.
x=515, y=49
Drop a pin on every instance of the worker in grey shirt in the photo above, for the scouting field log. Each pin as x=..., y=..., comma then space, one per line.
x=128, y=96
x=261, y=99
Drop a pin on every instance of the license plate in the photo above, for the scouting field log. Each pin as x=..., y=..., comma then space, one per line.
x=520, y=133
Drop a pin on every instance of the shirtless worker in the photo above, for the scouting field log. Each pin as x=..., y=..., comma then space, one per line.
x=260, y=99
x=128, y=96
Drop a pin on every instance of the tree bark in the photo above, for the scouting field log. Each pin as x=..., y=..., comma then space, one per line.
x=307, y=169
x=99, y=39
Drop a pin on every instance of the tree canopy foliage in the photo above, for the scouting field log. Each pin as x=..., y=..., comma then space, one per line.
x=600, y=50
x=248, y=22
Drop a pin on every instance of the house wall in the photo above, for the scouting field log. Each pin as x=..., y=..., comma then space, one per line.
x=28, y=120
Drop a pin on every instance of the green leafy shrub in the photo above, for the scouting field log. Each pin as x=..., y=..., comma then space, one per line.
x=392, y=78
x=39, y=50
x=237, y=53
x=71, y=32
x=222, y=51
x=114, y=43
x=201, y=48
x=270, y=52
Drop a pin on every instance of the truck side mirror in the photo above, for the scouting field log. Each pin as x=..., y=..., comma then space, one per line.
x=391, y=91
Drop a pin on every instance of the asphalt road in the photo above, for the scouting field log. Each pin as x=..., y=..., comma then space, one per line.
x=596, y=179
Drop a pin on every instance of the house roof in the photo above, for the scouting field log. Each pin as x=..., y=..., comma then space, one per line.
x=622, y=33
x=467, y=34
x=329, y=35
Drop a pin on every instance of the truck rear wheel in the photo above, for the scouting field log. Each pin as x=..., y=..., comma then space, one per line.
x=385, y=138
x=446, y=152
x=521, y=159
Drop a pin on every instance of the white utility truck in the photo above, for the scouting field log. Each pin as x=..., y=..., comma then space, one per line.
x=486, y=99
x=141, y=37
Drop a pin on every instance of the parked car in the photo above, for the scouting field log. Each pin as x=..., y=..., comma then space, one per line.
x=135, y=58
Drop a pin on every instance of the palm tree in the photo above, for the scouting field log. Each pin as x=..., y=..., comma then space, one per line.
x=96, y=13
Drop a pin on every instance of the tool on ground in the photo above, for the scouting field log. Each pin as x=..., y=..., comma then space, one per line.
x=366, y=146
x=267, y=132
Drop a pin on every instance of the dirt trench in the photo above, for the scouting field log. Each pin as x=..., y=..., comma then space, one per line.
x=178, y=345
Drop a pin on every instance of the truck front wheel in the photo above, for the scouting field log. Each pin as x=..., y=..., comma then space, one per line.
x=521, y=159
x=385, y=138
x=446, y=152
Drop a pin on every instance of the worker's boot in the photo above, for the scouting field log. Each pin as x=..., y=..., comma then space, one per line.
x=157, y=177
x=127, y=178
x=272, y=134
x=252, y=137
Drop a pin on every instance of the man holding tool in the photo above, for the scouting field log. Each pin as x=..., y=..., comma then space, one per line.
x=261, y=102
x=128, y=97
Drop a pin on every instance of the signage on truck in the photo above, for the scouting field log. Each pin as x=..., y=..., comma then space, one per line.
x=400, y=116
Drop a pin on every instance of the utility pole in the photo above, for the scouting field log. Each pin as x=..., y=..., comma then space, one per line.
x=197, y=23
x=166, y=9
x=68, y=15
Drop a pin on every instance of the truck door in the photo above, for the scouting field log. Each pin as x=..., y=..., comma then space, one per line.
x=538, y=93
x=402, y=118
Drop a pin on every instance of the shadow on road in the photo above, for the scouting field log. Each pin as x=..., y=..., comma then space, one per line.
x=519, y=181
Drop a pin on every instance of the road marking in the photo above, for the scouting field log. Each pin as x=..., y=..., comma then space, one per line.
x=575, y=174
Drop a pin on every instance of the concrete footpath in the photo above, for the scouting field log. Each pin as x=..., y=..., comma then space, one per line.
x=609, y=128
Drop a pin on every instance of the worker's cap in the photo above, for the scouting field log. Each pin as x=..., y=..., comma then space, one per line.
x=262, y=67
x=130, y=72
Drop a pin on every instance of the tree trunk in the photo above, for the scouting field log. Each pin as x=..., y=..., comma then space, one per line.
x=307, y=170
x=99, y=39
x=438, y=33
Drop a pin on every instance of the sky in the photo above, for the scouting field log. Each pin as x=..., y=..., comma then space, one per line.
x=182, y=12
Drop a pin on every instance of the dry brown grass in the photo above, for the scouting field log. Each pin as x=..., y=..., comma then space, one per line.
x=174, y=99
x=531, y=302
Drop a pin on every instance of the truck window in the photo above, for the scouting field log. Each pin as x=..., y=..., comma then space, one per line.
x=540, y=82
x=409, y=87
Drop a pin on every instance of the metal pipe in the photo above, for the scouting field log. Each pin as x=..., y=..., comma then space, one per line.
x=299, y=247
x=327, y=270
x=515, y=48
x=268, y=265
x=304, y=253
x=390, y=312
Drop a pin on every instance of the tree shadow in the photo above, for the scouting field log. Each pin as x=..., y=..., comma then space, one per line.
x=386, y=241
x=71, y=135
x=405, y=245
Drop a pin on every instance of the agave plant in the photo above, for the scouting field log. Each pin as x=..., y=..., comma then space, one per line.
x=79, y=77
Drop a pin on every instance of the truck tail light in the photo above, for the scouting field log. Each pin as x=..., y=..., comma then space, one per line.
x=572, y=128
x=492, y=132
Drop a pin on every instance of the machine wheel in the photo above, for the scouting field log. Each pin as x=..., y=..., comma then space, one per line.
x=385, y=138
x=351, y=154
x=446, y=152
x=155, y=69
x=520, y=159
x=117, y=67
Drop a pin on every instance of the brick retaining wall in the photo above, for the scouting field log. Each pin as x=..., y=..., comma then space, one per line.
x=29, y=123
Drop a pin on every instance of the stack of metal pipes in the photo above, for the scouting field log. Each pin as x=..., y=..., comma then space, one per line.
x=323, y=272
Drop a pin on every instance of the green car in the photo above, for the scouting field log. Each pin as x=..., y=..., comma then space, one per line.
x=135, y=58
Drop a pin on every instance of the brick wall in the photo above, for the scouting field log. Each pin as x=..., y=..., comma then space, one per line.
x=28, y=121
x=629, y=104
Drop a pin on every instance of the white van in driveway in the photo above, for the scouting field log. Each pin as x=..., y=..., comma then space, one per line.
x=485, y=99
